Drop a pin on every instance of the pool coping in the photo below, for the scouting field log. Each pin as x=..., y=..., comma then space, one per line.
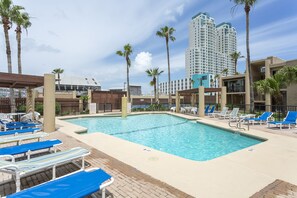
x=207, y=178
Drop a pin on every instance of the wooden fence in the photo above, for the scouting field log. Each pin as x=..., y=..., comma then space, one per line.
x=68, y=105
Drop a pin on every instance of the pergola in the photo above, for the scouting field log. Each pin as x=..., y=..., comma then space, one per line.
x=29, y=82
x=200, y=92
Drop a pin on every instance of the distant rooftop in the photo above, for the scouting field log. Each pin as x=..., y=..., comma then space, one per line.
x=74, y=80
x=224, y=23
x=201, y=13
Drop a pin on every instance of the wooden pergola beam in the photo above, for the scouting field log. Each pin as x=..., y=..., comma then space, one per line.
x=9, y=80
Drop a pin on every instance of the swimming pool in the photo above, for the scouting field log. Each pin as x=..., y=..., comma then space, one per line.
x=170, y=134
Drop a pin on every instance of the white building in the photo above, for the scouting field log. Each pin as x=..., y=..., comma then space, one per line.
x=210, y=46
x=176, y=85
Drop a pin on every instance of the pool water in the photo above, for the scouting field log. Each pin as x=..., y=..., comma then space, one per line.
x=170, y=134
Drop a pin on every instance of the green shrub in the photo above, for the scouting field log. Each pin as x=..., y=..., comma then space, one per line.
x=21, y=108
x=39, y=108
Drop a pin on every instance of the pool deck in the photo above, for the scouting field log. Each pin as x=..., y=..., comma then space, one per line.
x=238, y=174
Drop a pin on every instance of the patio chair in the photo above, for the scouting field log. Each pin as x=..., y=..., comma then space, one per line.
x=19, y=131
x=261, y=119
x=19, y=138
x=289, y=120
x=29, y=147
x=19, y=125
x=206, y=109
x=23, y=168
x=211, y=110
x=194, y=110
x=233, y=115
x=77, y=184
x=218, y=114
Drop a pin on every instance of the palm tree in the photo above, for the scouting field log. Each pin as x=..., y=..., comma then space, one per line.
x=22, y=20
x=225, y=71
x=7, y=10
x=154, y=73
x=247, y=8
x=290, y=74
x=235, y=56
x=167, y=33
x=126, y=53
x=273, y=85
x=58, y=71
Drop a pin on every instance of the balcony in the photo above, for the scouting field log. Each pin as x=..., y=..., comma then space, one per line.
x=235, y=88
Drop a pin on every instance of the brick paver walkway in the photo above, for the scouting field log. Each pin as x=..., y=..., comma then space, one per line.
x=277, y=189
x=129, y=182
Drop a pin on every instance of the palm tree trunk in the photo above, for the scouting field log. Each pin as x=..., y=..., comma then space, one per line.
x=235, y=66
x=9, y=66
x=169, y=80
x=128, y=84
x=59, y=86
x=155, y=89
x=247, y=10
x=8, y=51
x=19, y=51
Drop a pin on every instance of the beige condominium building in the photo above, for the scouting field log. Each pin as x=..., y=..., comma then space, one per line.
x=238, y=86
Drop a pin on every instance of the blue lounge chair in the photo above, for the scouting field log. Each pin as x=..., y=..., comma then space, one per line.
x=19, y=131
x=206, y=109
x=289, y=120
x=211, y=110
x=18, y=125
x=261, y=119
x=77, y=184
x=23, y=168
x=27, y=148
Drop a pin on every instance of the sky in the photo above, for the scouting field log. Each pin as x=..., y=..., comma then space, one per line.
x=82, y=37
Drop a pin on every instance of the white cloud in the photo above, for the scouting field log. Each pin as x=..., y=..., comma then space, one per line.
x=143, y=61
x=180, y=9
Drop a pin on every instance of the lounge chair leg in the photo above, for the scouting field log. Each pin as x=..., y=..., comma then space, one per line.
x=17, y=182
x=54, y=172
x=103, y=193
x=83, y=163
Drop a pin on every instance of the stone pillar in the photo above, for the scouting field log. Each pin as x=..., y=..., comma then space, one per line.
x=49, y=102
x=267, y=95
x=201, y=101
x=192, y=100
x=74, y=94
x=223, y=97
x=124, y=107
x=89, y=98
x=80, y=105
x=247, y=90
x=177, y=102
x=30, y=101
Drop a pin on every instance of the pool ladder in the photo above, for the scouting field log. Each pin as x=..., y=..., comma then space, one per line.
x=238, y=124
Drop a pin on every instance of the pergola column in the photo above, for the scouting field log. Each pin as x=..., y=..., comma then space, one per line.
x=223, y=97
x=49, y=103
x=30, y=101
x=124, y=107
x=201, y=101
x=177, y=102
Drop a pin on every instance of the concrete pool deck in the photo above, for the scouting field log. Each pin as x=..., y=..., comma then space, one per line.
x=238, y=174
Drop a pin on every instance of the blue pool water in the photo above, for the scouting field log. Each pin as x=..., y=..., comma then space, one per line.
x=170, y=134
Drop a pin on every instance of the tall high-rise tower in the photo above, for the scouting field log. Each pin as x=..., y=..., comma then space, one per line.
x=210, y=46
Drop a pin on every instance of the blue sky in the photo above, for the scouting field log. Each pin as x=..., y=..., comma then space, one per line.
x=82, y=36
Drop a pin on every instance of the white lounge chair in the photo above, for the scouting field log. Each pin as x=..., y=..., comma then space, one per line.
x=19, y=138
x=233, y=115
x=194, y=110
x=218, y=114
x=22, y=168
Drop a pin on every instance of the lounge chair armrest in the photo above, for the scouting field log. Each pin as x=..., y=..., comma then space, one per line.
x=11, y=157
